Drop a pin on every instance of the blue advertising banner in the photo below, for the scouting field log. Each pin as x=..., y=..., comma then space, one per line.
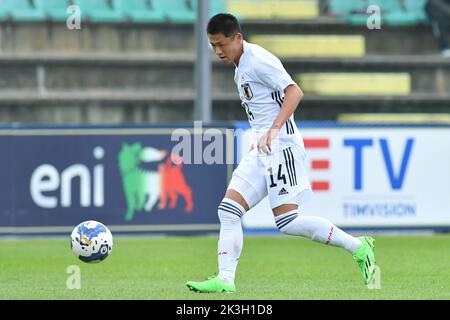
x=145, y=179
x=377, y=176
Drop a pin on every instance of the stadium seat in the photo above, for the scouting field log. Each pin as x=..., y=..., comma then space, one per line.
x=312, y=45
x=250, y=9
x=20, y=10
x=344, y=8
x=99, y=11
x=3, y=14
x=175, y=10
x=412, y=13
x=215, y=6
x=139, y=10
x=295, y=9
x=54, y=9
x=395, y=12
x=267, y=9
x=345, y=84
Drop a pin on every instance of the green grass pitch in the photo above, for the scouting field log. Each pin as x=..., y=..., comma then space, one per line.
x=412, y=267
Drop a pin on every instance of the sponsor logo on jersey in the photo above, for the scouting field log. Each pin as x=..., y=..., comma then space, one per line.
x=282, y=192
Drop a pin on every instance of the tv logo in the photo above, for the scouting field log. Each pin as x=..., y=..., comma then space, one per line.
x=319, y=163
x=322, y=153
x=358, y=146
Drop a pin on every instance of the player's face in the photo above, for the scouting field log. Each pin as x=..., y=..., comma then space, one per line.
x=228, y=49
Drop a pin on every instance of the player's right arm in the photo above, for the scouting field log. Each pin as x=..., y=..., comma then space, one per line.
x=292, y=97
x=270, y=71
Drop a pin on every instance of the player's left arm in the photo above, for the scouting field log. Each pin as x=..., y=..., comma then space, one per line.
x=292, y=97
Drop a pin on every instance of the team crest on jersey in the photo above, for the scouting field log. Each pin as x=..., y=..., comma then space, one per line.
x=248, y=94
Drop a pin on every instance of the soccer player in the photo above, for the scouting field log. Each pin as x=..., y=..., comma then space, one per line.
x=275, y=165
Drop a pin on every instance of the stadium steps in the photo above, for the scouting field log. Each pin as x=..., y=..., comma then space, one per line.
x=312, y=45
x=355, y=83
x=273, y=9
x=138, y=70
x=146, y=106
x=188, y=95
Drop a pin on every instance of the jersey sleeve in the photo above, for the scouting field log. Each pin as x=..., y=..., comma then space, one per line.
x=270, y=72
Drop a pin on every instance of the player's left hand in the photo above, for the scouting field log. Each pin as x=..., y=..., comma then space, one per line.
x=265, y=142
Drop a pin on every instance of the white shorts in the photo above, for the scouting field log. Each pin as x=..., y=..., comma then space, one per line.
x=281, y=175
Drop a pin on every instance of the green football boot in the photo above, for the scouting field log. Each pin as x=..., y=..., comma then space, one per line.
x=365, y=257
x=213, y=284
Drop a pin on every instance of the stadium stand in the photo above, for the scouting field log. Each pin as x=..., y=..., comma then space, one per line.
x=121, y=68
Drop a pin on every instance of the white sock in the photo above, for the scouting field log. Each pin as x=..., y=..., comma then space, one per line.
x=317, y=229
x=230, y=239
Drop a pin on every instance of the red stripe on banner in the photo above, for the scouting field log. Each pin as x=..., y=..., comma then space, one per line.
x=320, y=185
x=316, y=143
x=320, y=164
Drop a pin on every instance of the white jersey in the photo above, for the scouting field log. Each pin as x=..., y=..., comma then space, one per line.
x=261, y=80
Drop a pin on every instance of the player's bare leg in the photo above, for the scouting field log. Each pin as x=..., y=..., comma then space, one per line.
x=230, y=212
x=321, y=230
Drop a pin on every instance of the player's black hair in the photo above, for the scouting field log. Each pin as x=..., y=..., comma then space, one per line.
x=224, y=23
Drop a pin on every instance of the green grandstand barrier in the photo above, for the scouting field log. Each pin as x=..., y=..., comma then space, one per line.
x=393, y=12
x=413, y=13
x=53, y=9
x=3, y=14
x=99, y=11
x=175, y=10
x=139, y=10
x=340, y=7
x=20, y=10
x=215, y=6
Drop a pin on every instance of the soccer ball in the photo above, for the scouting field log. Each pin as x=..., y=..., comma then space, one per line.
x=91, y=241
